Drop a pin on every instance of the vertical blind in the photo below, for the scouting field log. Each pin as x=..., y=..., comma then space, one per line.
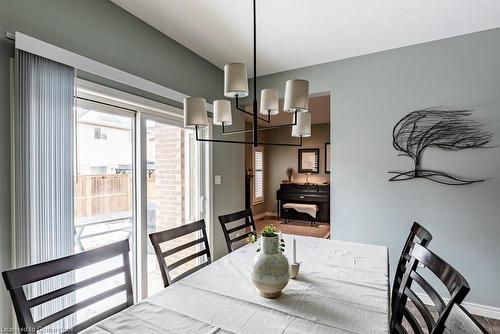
x=258, y=158
x=43, y=124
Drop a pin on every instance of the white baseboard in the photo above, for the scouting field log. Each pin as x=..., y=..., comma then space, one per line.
x=264, y=214
x=473, y=308
x=259, y=216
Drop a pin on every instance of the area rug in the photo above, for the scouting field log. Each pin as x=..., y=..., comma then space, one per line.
x=295, y=227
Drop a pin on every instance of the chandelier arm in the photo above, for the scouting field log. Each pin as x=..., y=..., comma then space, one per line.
x=277, y=126
x=268, y=120
x=282, y=144
x=247, y=142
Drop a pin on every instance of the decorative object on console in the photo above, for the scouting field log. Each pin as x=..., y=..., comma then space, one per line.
x=450, y=130
x=270, y=268
x=328, y=157
x=236, y=86
x=289, y=173
x=309, y=160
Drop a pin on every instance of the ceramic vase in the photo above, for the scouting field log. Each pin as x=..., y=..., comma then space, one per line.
x=270, y=269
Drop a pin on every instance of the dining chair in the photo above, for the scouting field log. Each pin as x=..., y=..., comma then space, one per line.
x=247, y=223
x=16, y=279
x=158, y=238
x=454, y=282
x=418, y=234
x=459, y=321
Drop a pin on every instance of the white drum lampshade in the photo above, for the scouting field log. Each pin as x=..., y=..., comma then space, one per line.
x=303, y=126
x=296, y=95
x=235, y=80
x=195, y=112
x=222, y=112
x=269, y=101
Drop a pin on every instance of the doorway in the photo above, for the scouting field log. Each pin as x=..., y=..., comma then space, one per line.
x=276, y=175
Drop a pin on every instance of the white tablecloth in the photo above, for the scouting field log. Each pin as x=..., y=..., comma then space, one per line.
x=342, y=287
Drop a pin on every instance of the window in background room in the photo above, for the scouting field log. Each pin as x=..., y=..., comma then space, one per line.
x=258, y=180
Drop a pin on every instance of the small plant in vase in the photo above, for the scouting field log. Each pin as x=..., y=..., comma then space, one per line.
x=268, y=231
x=270, y=268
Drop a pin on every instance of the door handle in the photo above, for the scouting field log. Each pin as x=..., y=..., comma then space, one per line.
x=202, y=206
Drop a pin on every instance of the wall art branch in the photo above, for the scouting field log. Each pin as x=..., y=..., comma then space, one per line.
x=450, y=130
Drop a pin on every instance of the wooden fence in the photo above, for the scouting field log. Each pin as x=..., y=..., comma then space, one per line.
x=104, y=194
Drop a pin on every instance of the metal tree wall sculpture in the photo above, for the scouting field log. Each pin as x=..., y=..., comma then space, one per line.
x=450, y=130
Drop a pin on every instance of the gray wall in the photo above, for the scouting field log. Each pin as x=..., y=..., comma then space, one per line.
x=100, y=30
x=369, y=95
x=277, y=159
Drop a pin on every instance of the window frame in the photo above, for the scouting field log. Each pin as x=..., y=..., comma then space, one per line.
x=257, y=200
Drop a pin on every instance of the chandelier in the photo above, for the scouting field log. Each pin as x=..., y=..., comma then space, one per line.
x=236, y=86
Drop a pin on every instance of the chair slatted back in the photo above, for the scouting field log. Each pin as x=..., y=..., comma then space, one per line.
x=459, y=321
x=159, y=238
x=15, y=279
x=248, y=222
x=454, y=282
x=418, y=234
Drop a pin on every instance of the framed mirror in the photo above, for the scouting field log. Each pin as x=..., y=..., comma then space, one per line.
x=309, y=160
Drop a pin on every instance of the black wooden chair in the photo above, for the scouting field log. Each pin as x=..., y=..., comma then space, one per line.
x=15, y=279
x=418, y=234
x=459, y=321
x=159, y=238
x=248, y=223
x=454, y=282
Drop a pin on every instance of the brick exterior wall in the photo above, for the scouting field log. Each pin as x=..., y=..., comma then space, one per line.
x=169, y=180
x=169, y=161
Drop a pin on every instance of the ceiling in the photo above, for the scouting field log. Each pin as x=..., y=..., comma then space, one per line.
x=297, y=33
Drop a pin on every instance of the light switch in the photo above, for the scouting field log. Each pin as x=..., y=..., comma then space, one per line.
x=218, y=179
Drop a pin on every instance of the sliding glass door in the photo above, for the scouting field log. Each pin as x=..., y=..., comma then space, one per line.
x=175, y=189
x=135, y=173
x=104, y=192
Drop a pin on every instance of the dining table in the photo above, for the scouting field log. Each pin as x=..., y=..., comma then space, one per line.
x=342, y=287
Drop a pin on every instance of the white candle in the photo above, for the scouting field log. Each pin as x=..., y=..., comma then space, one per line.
x=279, y=235
x=294, y=251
